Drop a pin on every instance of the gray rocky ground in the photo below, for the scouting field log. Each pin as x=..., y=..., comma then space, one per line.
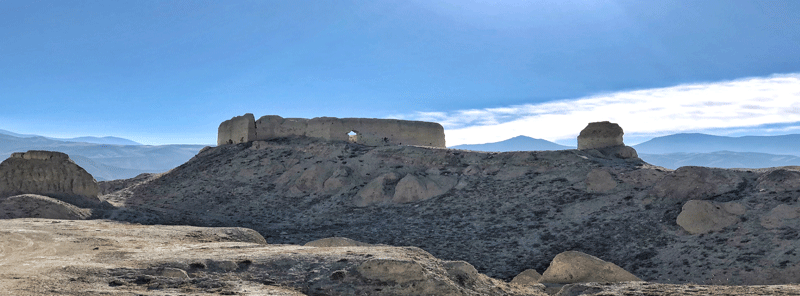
x=501, y=212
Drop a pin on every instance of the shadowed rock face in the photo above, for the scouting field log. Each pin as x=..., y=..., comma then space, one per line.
x=48, y=173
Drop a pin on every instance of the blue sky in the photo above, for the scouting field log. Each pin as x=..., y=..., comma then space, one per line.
x=161, y=72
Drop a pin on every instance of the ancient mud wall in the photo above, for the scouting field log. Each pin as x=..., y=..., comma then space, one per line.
x=239, y=129
x=366, y=131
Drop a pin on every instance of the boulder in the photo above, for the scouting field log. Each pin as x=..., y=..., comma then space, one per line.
x=599, y=181
x=576, y=267
x=701, y=216
x=379, y=190
x=50, y=174
x=778, y=216
x=415, y=188
x=692, y=182
x=600, y=135
x=527, y=277
x=329, y=242
x=38, y=206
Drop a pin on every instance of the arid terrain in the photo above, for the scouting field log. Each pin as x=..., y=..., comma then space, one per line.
x=430, y=221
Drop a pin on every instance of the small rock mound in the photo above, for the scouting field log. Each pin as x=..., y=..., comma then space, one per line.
x=329, y=242
x=599, y=181
x=700, y=216
x=38, y=206
x=527, y=277
x=576, y=267
x=780, y=216
x=51, y=174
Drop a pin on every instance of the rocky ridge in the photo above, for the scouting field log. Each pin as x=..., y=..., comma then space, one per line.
x=501, y=212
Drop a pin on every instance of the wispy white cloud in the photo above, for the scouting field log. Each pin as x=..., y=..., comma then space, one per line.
x=742, y=103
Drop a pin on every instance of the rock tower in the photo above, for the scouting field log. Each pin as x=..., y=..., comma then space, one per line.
x=605, y=137
x=50, y=174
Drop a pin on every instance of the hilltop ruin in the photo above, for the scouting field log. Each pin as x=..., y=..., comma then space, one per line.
x=365, y=131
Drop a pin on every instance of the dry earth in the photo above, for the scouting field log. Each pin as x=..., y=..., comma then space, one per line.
x=96, y=257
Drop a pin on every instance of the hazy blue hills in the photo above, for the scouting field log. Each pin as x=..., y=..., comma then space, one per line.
x=95, y=140
x=702, y=143
x=721, y=159
x=518, y=143
x=105, y=161
x=679, y=150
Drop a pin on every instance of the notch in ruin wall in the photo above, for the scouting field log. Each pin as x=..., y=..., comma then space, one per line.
x=371, y=132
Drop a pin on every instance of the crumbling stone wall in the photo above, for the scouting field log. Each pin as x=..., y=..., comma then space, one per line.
x=367, y=131
x=239, y=129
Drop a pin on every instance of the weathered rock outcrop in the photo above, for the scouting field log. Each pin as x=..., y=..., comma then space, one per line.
x=576, y=267
x=50, y=174
x=365, y=131
x=600, y=135
x=606, y=138
x=701, y=216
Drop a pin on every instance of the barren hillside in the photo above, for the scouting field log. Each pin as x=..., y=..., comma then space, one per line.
x=501, y=212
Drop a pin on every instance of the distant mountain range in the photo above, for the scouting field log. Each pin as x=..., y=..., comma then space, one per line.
x=702, y=143
x=679, y=150
x=105, y=161
x=94, y=140
x=518, y=143
x=109, y=158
